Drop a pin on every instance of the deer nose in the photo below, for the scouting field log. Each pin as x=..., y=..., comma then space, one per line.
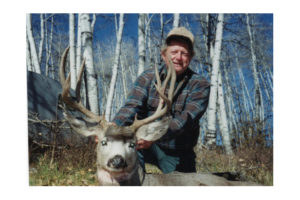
x=117, y=162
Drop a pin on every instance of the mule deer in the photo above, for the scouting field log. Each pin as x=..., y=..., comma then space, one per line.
x=117, y=162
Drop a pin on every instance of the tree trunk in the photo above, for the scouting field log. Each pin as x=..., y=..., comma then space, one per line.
x=176, y=20
x=161, y=35
x=92, y=89
x=79, y=60
x=46, y=48
x=148, y=39
x=33, y=52
x=28, y=56
x=115, y=70
x=93, y=22
x=231, y=107
x=123, y=78
x=141, y=39
x=50, y=48
x=211, y=111
x=78, y=46
x=42, y=38
x=257, y=92
x=223, y=118
x=72, y=50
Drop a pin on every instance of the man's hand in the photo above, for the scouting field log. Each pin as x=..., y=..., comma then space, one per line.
x=143, y=144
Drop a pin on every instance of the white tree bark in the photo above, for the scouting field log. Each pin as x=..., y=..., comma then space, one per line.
x=92, y=89
x=46, y=48
x=161, y=35
x=79, y=60
x=50, y=48
x=141, y=39
x=230, y=103
x=28, y=57
x=161, y=29
x=104, y=90
x=176, y=20
x=116, y=24
x=148, y=39
x=211, y=111
x=33, y=52
x=42, y=38
x=78, y=46
x=123, y=78
x=72, y=50
x=114, y=70
x=257, y=91
x=93, y=22
x=223, y=118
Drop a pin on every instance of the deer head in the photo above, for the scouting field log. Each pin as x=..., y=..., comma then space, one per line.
x=116, y=151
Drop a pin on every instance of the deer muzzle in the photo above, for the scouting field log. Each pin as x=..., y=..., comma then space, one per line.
x=117, y=162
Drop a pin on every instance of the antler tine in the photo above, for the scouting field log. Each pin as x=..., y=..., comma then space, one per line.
x=173, y=80
x=77, y=105
x=62, y=66
x=78, y=84
x=161, y=108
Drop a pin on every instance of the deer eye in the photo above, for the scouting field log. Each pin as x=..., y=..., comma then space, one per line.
x=132, y=145
x=103, y=142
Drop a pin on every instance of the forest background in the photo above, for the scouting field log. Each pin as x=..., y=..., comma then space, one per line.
x=233, y=51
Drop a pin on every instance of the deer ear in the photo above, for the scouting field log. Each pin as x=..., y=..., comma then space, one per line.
x=155, y=130
x=80, y=126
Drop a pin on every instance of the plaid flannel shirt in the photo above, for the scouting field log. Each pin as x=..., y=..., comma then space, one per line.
x=189, y=104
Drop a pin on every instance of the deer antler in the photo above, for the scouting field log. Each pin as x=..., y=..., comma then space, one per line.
x=162, y=108
x=77, y=105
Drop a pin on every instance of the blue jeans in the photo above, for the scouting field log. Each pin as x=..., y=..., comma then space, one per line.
x=156, y=156
x=166, y=161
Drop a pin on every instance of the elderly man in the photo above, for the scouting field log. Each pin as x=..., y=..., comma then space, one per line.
x=174, y=151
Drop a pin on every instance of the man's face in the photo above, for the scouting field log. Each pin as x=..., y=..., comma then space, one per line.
x=179, y=54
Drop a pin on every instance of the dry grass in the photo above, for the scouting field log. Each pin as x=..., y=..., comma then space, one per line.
x=251, y=162
x=77, y=166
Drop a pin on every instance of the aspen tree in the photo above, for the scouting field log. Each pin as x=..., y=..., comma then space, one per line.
x=72, y=50
x=28, y=57
x=47, y=48
x=257, y=92
x=78, y=45
x=176, y=20
x=33, y=52
x=42, y=22
x=161, y=41
x=92, y=89
x=78, y=53
x=223, y=118
x=211, y=110
x=231, y=107
x=148, y=39
x=141, y=39
x=114, y=70
x=50, y=48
